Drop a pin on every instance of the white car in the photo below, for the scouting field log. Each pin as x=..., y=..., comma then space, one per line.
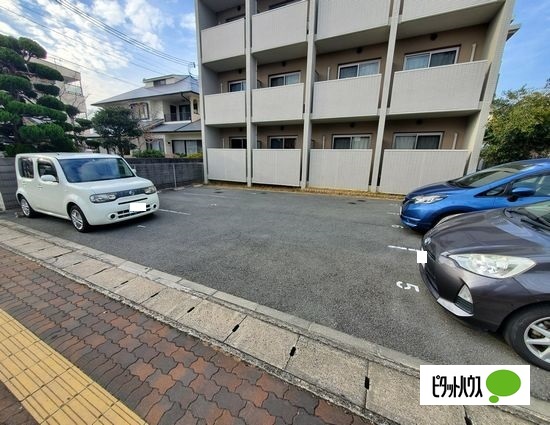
x=88, y=189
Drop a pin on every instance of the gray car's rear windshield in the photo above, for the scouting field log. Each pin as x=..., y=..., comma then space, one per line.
x=80, y=170
x=490, y=175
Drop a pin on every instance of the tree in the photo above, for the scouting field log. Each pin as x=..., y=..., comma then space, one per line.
x=117, y=127
x=519, y=127
x=32, y=117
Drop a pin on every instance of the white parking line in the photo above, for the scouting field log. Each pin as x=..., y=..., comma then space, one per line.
x=402, y=248
x=396, y=226
x=174, y=212
x=205, y=194
x=392, y=213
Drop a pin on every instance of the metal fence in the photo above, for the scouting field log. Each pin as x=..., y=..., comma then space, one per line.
x=8, y=184
x=168, y=173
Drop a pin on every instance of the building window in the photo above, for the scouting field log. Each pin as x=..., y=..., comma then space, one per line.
x=195, y=106
x=281, y=4
x=359, y=69
x=26, y=168
x=186, y=147
x=284, y=79
x=159, y=83
x=431, y=59
x=140, y=111
x=234, y=18
x=355, y=141
x=155, y=144
x=237, y=142
x=237, y=85
x=282, y=142
x=417, y=140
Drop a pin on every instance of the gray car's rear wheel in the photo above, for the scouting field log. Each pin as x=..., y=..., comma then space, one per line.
x=528, y=332
x=26, y=207
x=79, y=219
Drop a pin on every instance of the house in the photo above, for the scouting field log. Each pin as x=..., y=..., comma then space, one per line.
x=351, y=94
x=168, y=110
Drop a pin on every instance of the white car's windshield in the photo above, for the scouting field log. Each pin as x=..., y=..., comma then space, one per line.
x=81, y=170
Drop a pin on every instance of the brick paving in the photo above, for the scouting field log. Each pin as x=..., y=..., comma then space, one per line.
x=164, y=375
x=11, y=410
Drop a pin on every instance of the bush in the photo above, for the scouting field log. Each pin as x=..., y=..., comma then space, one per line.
x=45, y=72
x=197, y=155
x=47, y=89
x=148, y=153
x=51, y=102
x=12, y=150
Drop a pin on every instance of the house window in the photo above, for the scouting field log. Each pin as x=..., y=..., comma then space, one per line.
x=431, y=59
x=237, y=142
x=26, y=168
x=184, y=112
x=284, y=79
x=195, y=106
x=187, y=147
x=355, y=141
x=282, y=142
x=140, y=111
x=159, y=83
x=155, y=144
x=237, y=85
x=359, y=69
x=417, y=140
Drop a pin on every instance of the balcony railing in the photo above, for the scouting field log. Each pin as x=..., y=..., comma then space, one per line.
x=174, y=117
x=225, y=108
x=443, y=88
x=339, y=17
x=278, y=104
x=279, y=27
x=347, y=97
x=415, y=9
x=223, y=41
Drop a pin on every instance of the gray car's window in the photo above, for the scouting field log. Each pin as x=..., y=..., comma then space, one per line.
x=81, y=170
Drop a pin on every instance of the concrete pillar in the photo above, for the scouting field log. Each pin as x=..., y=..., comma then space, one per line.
x=251, y=82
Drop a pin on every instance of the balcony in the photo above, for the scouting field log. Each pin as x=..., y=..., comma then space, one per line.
x=280, y=34
x=225, y=108
x=449, y=88
x=346, y=98
x=283, y=104
x=343, y=24
x=426, y=16
x=223, y=46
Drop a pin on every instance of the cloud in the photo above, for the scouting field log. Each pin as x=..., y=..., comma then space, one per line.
x=188, y=22
x=8, y=30
x=146, y=22
x=110, y=11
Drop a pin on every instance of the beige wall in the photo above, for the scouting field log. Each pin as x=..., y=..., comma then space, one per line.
x=330, y=130
x=448, y=126
x=225, y=77
x=264, y=71
x=230, y=13
x=229, y=132
x=463, y=38
x=332, y=60
x=280, y=130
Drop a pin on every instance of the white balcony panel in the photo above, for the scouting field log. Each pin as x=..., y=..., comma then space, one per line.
x=338, y=17
x=438, y=89
x=273, y=104
x=406, y=169
x=279, y=27
x=223, y=41
x=347, y=97
x=276, y=166
x=415, y=9
x=340, y=168
x=225, y=108
x=227, y=164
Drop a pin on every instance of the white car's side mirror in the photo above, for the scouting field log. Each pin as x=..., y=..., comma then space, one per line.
x=48, y=178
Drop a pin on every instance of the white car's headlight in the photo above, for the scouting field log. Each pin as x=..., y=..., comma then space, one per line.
x=427, y=199
x=103, y=197
x=495, y=266
x=149, y=190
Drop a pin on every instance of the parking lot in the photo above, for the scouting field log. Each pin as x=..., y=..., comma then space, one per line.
x=339, y=261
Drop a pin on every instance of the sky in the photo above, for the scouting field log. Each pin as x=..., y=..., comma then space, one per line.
x=110, y=66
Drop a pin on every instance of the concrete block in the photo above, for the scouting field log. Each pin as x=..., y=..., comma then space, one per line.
x=139, y=289
x=84, y=250
x=396, y=396
x=87, y=268
x=490, y=415
x=111, y=278
x=131, y=267
x=235, y=300
x=8, y=234
x=67, y=260
x=55, y=251
x=111, y=259
x=17, y=242
x=37, y=245
x=264, y=341
x=187, y=284
x=154, y=274
x=172, y=303
x=283, y=317
x=329, y=368
x=212, y=319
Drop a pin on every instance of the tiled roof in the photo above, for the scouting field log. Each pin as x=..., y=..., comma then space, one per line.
x=177, y=128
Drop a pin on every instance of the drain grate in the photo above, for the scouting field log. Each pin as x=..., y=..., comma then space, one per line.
x=361, y=200
x=292, y=351
x=191, y=309
x=352, y=203
x=235, y=328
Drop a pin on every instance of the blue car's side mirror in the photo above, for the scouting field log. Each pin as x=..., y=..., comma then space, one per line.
x=522, y=192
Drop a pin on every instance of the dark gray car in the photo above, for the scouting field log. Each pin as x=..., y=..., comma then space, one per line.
x=492, y=269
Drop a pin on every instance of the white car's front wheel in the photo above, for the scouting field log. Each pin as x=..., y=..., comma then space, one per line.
x=79, y=219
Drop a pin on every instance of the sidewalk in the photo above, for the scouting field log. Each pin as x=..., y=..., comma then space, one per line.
x=161, y=374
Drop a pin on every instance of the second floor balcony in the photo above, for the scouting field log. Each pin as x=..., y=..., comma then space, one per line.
x=346, y=98
x=448, y=88
x=222, y=46
x=283, y=104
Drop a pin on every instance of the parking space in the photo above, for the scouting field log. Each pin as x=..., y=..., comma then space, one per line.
x=343, y=262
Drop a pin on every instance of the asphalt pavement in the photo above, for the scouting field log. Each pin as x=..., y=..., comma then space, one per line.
x=339, y=261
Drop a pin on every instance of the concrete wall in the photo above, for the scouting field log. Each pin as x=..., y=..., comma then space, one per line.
x=332, y=129
x=8, y=184
x=332, y=60
x=168, y=173
x=264, y=133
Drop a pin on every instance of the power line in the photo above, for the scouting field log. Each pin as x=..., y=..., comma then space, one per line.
x=71, y=38
x=121, y=35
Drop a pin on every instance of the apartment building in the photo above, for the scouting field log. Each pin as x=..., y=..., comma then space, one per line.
x=381, y=95
x=70, y=89
x=168, y=110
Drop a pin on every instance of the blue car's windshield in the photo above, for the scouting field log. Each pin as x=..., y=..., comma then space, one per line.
x=490, y=175
x=81, y=170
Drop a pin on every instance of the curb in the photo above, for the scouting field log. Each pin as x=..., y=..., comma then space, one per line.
x=375, y=382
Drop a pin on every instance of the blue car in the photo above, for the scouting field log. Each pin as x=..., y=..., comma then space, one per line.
x=507, y=185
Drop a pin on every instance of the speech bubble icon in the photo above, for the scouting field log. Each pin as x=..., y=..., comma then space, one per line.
x=502, y=383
